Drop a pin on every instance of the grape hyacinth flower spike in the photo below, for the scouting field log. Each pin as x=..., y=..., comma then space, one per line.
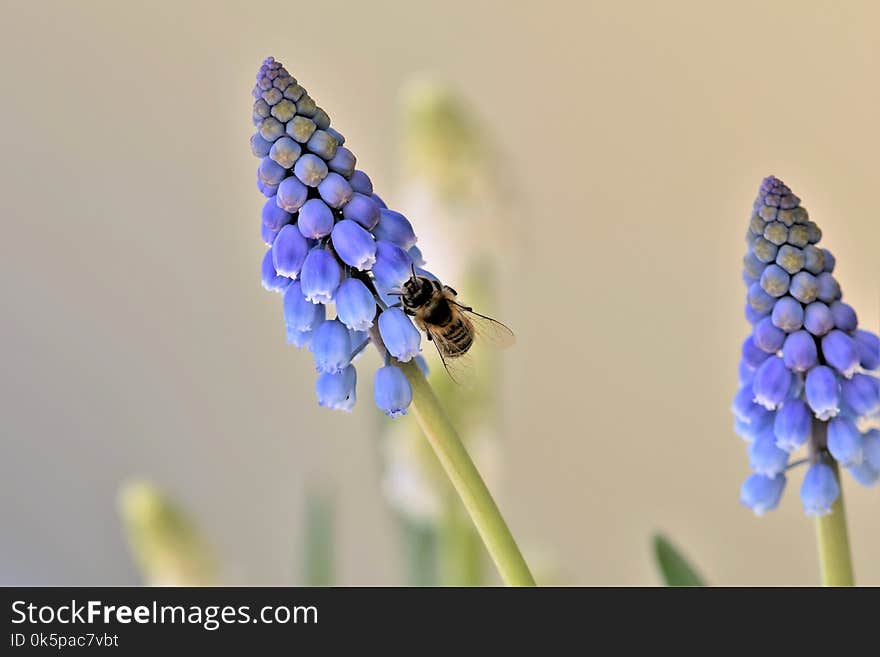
x=325, y=231
x=808, y=373
x=337, y=253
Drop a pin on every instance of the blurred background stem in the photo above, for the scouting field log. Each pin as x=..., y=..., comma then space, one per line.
x=467, y=481
x=461, y=551
x=420, y=542
x=318, y=552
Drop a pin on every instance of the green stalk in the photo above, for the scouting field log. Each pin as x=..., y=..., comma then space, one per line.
x=832, y=539
x=835, y=562
x=467, y=480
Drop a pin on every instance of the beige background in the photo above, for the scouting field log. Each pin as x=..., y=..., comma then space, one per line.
x=137, y=340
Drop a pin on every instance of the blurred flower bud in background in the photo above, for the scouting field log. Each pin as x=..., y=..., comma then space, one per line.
x=445, y=145
x=165, y=544
x=450, y=182
x=453, y=178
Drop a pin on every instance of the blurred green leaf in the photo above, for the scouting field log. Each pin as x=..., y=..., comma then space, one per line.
x=420, y=543
x=318, y=540
x=674, y=568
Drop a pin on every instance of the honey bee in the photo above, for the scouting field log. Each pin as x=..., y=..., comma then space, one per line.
x=451, y=326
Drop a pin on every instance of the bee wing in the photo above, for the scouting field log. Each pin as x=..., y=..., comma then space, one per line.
x=460, y=367
x=488, y=329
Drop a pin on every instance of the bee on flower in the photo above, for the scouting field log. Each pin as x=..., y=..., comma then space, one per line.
x=333, y=242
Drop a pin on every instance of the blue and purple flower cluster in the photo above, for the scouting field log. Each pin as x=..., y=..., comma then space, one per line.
x=331, y=241
x=808, y=374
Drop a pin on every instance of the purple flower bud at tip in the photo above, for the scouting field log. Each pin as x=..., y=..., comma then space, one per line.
x=868, y=345
x=819, y=490
x=300, y=315
x=817, y=319
x=291, y=194
x=401, y=337
x=335, y=190
x=415, y=254
x=337, y=391
x=822, y=391
x=273, y=216
x=394, y=227
x=342, y=162
x=775, y=280
x=361, y=183
x=864, y=473
x=788, y=314
x=752, y=355
x=331, y=347
x=761, y=493
x=355, y=305
x=259, y=146
x=768, y=337
x=310, y=170
x=323, y=144
x=792, y=425
x=844, y=441
x=772, y=383
x=829, y=289
x=799, y=352
x=320, y=276
x=285, y=152
x=289, y=251
x=830, y=261
x=354, y=245
x=315, y=219
x=765, y=457
x=844, y=316
x=392, y=267
x=392, y=391
x=871, y=448
x=270, y=172
x=271, y=280
x=861, y=394
x=840, y=352
x=362, y=209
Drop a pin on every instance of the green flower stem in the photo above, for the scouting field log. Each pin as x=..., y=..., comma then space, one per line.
x=467, y=480
x=835, y=562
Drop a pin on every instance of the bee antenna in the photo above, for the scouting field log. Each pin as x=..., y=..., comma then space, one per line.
x=413, y=266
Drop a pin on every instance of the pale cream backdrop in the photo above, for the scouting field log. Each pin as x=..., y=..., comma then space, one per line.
x=137, y=340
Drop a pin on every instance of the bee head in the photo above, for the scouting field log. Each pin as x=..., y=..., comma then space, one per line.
x=413, y=283
x=411, y=286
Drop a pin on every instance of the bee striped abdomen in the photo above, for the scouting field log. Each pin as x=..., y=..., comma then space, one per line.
x=459, y=337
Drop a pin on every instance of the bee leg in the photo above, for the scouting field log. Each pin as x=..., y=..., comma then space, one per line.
x=450, y=290
x=429, y=336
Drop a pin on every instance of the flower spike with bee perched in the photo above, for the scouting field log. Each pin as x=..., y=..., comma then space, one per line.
x=333, y=241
